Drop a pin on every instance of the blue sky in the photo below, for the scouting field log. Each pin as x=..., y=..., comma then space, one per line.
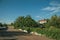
x=38, y=9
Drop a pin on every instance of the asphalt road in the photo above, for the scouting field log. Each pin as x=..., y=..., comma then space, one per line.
x=11, y=35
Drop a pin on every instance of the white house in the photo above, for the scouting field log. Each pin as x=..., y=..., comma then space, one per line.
x=42, y=21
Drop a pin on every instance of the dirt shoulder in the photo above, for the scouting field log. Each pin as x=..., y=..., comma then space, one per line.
x=33, y=37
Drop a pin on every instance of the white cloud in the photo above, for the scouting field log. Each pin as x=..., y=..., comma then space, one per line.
x=57, y=10
x=39, y=17
x=53, y=8
x=49, y=8
x=54, y=3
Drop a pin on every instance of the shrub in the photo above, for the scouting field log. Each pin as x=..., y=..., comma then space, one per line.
x=28, y=30
x=51, y=33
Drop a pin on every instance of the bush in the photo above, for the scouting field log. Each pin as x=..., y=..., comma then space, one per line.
x=28, y=30
x=52, y=33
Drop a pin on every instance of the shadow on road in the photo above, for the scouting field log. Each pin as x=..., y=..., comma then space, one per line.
x=11, y=33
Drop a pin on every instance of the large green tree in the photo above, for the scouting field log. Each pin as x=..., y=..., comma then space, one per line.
x=25, y=22
x=19, y=22
x=29, y=22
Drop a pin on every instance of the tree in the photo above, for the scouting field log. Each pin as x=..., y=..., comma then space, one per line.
x=27, y=21
x=54, y=21
x=1, y=24
x=5, y=24
x=58, y=22
x=19, y=22
x=12, y=24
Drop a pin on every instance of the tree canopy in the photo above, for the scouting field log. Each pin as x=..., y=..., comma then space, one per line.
x=54, y=21
x=1, y=24
x=25, y=22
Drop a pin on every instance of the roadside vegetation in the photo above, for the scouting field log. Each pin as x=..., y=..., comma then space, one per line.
x=51, y=29
x=3, y=27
